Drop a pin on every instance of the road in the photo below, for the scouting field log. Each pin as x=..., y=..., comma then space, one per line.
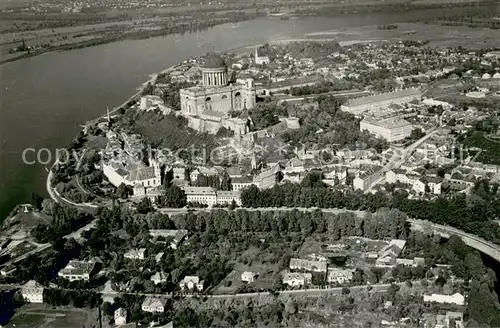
x=309, y=292
x=173, y=211
x=482, y=245
x=486, y=247
x=56, y=197
x=398, y=159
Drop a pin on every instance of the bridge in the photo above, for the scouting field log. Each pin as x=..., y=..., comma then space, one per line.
x=486, y=247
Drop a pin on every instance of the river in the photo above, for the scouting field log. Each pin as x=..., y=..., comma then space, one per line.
x=45, y=99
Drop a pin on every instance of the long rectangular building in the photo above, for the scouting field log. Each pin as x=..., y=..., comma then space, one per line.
x=392, y=129
x=381, y=101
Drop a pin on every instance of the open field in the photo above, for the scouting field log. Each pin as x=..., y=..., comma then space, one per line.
x=437, y=35
x=36, y=315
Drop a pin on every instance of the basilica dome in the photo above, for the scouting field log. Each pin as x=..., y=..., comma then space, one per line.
x=214, y=61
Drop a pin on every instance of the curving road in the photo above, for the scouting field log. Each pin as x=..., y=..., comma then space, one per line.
x=473, y=241
x=486, y=247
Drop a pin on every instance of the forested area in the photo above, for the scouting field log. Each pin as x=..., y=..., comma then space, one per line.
x=65, y=220
x=472, y=214
x=328, y=125
x=382, y=224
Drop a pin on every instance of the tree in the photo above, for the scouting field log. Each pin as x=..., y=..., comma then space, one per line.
x=148, y=89
x=173, y=197
x=124, y=191
x=392, y=292
x=417, y=134
x=145, y=206
x=37, y=201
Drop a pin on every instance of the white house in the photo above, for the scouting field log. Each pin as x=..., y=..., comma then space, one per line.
x=159, y=278
x=120, y=317
x=313, y=263
x=32, y=292
x=390, y=252
x=191, y=282
x=239, y=183
x=135, y=254
x=177, y=235
x=202, y=195
x=395, y=175
x=206, y=171
x=227, y=197
x=159, y=256
x=294, y=279
x=154, y=305
x=77, y=270
x=456, y=298
x=248, y=276
x=341, y=276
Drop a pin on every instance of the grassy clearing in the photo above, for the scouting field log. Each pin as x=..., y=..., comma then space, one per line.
x=27, y=320
x=33, y=316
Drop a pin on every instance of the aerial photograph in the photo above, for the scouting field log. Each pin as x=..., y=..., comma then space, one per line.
x=250, y=163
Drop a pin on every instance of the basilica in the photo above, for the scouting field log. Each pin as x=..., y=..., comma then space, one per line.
x=207, y=106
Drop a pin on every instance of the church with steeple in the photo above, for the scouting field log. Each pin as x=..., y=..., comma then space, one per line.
x=264, y=60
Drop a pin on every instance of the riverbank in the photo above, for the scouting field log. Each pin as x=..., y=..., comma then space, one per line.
x=88, y=36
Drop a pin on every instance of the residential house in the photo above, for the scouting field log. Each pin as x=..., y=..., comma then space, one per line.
x=341, y=276
x=315, y=265
x=201, y=170
x=135, y=254
x=159, y=256
x=390, y=253
x=395, y=175
x=294, y=165
x=456, y=298
x=179, y=173
x=366, y=179
x=435, y=185
x=248, y=276
x=120, y=316
x=178, y=236
x=154, y=305
x=411, y=262
x=432, y=184
x=450, y=320
x=191, y=282
x=234, y=172
x=159, y=277
x=339, y=173
x=32, y=292
x=78, y=270
x=296, y=279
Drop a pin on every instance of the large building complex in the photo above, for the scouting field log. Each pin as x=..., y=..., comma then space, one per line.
x=392, y=129
x=381, y=101
x=207, y=106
